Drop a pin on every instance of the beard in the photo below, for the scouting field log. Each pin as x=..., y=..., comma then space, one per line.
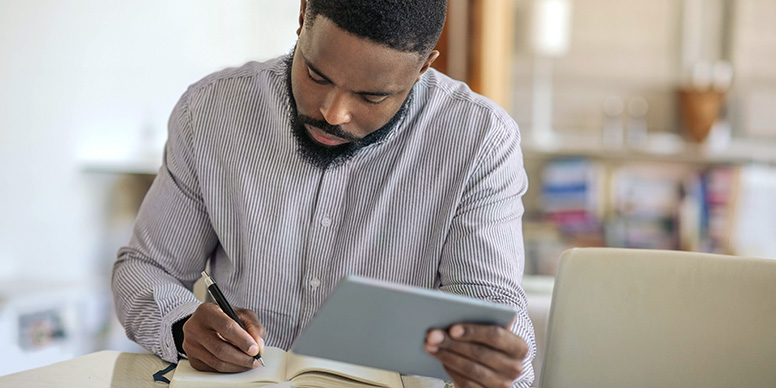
x=322, y=156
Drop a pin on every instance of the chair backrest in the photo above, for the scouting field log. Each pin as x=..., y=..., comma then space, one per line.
x=648, y=318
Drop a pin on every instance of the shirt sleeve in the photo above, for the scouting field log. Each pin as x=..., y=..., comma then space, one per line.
x=171, y=242
x=483, y=255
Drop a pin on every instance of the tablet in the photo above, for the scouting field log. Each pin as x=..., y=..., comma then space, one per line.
x=384, y=325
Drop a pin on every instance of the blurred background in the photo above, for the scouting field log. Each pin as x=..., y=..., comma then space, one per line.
x=645, y=124
x=87, y=88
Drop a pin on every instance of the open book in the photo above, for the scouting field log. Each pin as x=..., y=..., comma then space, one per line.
x=283, y=366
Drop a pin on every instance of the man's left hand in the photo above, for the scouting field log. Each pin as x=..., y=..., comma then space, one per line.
x=478, y=355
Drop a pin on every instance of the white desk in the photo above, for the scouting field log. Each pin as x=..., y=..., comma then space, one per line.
x=111, y=369
x=97, y=370
x=135, y=370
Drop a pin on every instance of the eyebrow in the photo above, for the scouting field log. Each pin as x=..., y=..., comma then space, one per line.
x=363, y=93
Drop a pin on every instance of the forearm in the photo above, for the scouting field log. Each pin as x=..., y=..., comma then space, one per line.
x=485, y=261
x=171, y=243
x=483, y=254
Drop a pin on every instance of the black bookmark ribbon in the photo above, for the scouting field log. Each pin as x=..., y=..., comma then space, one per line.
x=159, y=376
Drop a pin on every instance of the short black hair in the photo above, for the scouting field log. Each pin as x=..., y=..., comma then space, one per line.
x=404, y=25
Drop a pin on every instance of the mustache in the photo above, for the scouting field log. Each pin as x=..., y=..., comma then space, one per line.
x=324, y=126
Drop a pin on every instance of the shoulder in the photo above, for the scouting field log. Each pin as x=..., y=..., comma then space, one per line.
x=453, y=111
x=446, y=97
x=252, y=77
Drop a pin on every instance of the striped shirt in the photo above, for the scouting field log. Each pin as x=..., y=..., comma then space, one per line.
x=435, y=204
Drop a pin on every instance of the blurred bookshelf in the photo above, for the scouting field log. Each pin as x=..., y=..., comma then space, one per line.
x=667, y=195
x=666, y=148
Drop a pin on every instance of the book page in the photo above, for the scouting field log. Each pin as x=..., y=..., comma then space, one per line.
x=187, y=377
x=303, y=370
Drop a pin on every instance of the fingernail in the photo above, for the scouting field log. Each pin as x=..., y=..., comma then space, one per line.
x=256, y=364
x=253, y=350
x=261, y=344
x=456, y=331
x=436, y=337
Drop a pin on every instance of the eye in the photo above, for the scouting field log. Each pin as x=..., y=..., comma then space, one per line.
x=316, y=78
x=373, y=99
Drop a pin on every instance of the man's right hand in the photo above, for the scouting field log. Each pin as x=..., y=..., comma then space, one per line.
x=213, y=342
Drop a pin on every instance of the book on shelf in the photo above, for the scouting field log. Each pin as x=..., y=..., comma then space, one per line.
x=722, y=208
x=282, y=366
x=570, y=194
x=707, y=209
x=647, y=201
x=720, y=184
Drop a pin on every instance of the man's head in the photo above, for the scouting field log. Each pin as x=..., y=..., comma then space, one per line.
x=403, y=25
x=354, y=67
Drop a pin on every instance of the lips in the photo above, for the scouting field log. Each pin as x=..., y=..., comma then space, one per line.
x=324, y=138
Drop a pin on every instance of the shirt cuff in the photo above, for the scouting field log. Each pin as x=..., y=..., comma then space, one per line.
x=167, y=340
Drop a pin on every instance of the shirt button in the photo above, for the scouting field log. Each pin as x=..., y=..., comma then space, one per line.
x=315, y=283
x=326, y=222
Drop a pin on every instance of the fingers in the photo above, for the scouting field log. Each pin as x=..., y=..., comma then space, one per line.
x=466, y=373
x=232, y=332
x=256, y=330
x=494, y=360
x=462, y=381
x=206, y=360
x=213, y=341
x=478, y=355
x=492, y=336
x=474, y=364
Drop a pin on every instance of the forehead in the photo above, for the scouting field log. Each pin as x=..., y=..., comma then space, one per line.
x=355, y=62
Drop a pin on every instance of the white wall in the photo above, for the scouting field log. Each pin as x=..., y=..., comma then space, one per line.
x=87, y=78
x=632, y=48
x=93, y=79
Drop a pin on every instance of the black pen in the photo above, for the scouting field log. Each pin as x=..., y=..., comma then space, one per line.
x=215, y=292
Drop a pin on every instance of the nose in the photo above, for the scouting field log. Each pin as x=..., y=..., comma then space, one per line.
x=335, y=108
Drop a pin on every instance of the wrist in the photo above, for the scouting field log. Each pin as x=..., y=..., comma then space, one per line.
x=177, y=334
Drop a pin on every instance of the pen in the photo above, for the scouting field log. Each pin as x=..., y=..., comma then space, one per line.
x=215, y=292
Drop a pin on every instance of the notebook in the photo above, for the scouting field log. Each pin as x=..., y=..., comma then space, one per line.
x=281, y=366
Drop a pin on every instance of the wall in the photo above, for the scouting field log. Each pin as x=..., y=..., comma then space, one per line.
x=754, y=54
x=645, y=48
x=89, y=78
x=94, y=79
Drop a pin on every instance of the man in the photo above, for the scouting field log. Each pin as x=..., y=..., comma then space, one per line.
x=349, y=156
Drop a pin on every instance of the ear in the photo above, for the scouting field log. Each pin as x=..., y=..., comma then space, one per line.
x=301, y=17
x=431, y=58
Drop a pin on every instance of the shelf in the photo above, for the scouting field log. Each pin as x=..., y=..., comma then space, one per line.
x=659, y=149
x=147, y=164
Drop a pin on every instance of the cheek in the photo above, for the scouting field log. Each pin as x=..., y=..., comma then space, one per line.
x=305, y=96
x=374, y=118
